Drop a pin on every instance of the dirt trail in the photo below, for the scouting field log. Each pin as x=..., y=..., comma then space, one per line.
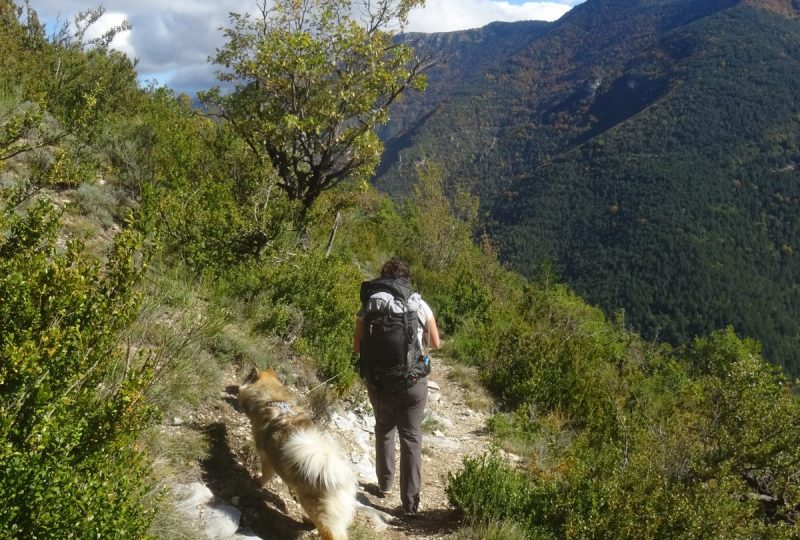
x=271, y=513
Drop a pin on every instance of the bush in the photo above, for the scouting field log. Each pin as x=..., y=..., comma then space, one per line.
x=72, y=400
x=487, y=490
x=696, y=444
x=310, y=299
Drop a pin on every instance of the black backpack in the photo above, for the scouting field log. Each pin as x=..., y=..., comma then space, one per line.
x=391, y=356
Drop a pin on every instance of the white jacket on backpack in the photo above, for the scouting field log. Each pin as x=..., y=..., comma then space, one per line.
x=378, y=302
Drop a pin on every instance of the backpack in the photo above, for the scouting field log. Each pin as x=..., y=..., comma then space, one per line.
x=391, y=355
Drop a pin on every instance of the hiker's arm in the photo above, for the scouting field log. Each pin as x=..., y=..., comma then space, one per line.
x=432, y=334
x=357, y=335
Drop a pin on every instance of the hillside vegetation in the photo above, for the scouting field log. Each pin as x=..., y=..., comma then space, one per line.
x=645, y=150
x=145, y=248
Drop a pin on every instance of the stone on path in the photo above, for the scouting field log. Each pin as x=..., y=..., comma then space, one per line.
x=245, y=535
x=222, y=522
x=434, y=392
x=365, y=468
x=192, y=497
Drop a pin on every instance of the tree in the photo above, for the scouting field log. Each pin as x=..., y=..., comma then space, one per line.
x=313, y=78
x=67, y=75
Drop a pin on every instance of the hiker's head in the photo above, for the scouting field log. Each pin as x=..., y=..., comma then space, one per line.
x=396, y=268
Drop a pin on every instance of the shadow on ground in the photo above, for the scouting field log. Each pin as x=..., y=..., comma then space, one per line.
x=263, y=512
x=427, y=523
x=430, y=523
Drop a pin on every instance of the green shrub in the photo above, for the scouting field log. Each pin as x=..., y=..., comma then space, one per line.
x=563, y=355
x=704, y=444
x=487, y=490
x=325, y=291
x=72, y=399
x=320, y=291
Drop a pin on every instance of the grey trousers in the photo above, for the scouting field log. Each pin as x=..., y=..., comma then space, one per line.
x=400, y=412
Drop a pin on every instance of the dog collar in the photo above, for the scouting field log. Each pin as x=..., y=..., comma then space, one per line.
x=283, y=406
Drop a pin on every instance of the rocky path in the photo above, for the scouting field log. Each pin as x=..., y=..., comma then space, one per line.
x=226, y=502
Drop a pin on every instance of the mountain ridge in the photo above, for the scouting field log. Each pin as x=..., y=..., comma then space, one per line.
x=645, y=147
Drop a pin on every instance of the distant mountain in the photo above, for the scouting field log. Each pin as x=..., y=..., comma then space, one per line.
x=459, y=56
x=648, y=149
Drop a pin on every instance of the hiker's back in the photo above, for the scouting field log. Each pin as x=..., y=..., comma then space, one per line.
x=390, y=344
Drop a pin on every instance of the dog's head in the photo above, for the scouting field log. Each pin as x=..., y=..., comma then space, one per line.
x=262, y=385
x=256, y=374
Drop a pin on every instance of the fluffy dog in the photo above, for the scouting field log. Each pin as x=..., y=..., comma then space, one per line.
x=308, y=460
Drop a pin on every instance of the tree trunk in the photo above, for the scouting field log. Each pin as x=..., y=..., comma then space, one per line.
x=336, y=223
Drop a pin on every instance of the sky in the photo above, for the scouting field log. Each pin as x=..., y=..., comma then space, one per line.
x=173, y=40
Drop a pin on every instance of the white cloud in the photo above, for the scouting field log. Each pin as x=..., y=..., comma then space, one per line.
x=173, y=40
x=122, y=41
x=450, y=15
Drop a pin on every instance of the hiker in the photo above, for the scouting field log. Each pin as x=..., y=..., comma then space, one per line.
x=394, y=329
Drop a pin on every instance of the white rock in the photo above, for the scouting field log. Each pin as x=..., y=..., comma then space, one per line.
x=445, y=422
x=433, y=385
x=369, y=422
x=514, y=458
x=365, y=468
x=222, y=522
x=245, y=535
x=442, y=442
x=342, y=423
x=438, y=433
x=177, y=421
x=363, y=441
x=192, y=497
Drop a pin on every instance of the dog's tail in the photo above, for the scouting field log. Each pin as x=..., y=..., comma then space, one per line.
x=319, y=460
x=321, y=463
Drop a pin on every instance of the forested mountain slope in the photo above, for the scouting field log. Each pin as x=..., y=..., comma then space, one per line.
x=649, y=149
x=457, y=58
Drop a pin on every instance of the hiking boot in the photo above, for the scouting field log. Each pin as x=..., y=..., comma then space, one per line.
x=413, y=511
x=379, y=492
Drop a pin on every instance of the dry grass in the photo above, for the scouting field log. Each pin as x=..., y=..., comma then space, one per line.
x=477, y=398
x=174, y=450
x=170, y=524
x=320, y=403
x=362, y=531
x=174, y=453
x=430, y=423
x=493, y=531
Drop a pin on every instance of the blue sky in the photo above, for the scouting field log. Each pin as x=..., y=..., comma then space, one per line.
x=173, y=40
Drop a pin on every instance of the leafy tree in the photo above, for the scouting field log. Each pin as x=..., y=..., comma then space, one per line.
x=313, y=78
x=441, y=231
x=65, y=75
